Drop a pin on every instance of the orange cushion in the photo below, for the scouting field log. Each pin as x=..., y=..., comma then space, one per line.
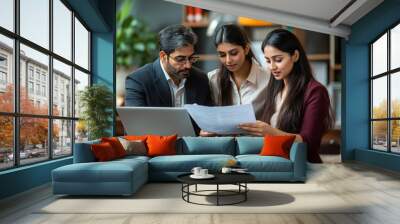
x=103, y=151
x=116, y=145
x=161, y=145
x=277, y=145
x=135, y=137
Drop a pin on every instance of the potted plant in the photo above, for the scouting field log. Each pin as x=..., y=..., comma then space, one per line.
x=136, y=46
x=96, y=102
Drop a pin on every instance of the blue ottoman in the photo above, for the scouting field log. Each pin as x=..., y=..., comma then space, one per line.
x=119, y=177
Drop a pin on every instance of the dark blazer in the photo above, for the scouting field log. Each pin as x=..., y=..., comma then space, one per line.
x=316, y=110
x=148, y=87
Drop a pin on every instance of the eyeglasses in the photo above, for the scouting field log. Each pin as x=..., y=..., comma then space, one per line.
x=182, y=59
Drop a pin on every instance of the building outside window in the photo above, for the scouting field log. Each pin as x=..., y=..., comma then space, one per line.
x=43, y=77
x=34, y=73
x=385, y=94
x=3, y=72
x=37, y=74
x=30, y=87
x=30, y=72
x=43, y=90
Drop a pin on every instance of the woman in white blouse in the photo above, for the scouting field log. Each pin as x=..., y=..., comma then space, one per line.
x=240, y=78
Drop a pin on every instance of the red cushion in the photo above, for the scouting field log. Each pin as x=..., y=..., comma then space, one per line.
x=103, y=151
x=277, y=145
x=161, y=145
x=116, y=145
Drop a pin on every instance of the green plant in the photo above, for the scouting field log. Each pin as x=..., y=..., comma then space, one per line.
x=136, y=45
x=96, y=103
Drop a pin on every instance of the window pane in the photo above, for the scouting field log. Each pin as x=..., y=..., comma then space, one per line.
x=6, y=74
x=379, y=97
x=62, y=89
x=395, y=95
x=81, y=45
x=379, y=135
x=379, y=55
x=395, y=138
x=395, y=47
x=35, y=21
x=62, y=141
x=7, y=14
x=81, y=81
x=6, y=142
x=62, y=29
x=81, y=131
x=33, y=140
x=34, y=97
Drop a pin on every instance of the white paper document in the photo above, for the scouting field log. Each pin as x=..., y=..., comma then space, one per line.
x=221, y=119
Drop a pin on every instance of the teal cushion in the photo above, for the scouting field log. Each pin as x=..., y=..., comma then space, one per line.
x=185, y=163
x=249, y=145
x=207, y=145
x=83, y=152
x=257, y=163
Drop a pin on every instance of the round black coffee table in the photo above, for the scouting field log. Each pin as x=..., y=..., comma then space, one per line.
x=238, y=179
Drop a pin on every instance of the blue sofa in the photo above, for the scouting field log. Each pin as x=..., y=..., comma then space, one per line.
x=125, y=176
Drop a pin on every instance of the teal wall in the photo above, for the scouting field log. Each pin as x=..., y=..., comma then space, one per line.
x=355, y=85
x=99, y=16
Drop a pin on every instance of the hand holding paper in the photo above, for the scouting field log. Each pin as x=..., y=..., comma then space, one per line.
x=221, y=119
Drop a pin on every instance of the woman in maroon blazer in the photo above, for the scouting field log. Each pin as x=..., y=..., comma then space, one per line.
x=296, y=103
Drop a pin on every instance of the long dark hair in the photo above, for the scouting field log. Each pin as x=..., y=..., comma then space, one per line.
x=233, y=34
x=291, y=113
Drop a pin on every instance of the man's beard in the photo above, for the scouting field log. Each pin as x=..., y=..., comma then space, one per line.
x=177, y=74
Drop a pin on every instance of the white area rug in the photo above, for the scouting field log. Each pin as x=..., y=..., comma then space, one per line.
x=166, y=198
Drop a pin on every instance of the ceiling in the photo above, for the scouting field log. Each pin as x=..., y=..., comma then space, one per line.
x=333, y=17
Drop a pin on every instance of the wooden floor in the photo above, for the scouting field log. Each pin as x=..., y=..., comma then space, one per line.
x=377, y=188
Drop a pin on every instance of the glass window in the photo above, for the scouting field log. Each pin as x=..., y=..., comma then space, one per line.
x=7, y=14
x=395, y=47
x=62, y=138
x=37, y=89
x=35, y=21
x=379, y=98
x=37, y=75
x=6, y=142
x=40, y=62
x=385, y=124
x=30, y=72
x=395, y=95
x=395, y=136
x=34, y=144
x=6, y=73
x=30, y=87
x=34, y=79
x=62, y=29
x=43, y=90
x=81, y=45
x=81, y=131
x=379, y=56
x=81, y=81
x=3, y=77
x=62, y=75
x=3, y=61
x=379, y=135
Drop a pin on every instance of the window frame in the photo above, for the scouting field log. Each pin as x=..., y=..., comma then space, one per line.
x=16, y=114
x=388, y=74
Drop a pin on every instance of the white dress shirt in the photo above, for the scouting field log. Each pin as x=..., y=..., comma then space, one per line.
x=278, y=105
x=252, y=91
x=177, y=92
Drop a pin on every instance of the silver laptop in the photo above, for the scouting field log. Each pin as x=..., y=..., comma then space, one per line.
x=156, y=120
